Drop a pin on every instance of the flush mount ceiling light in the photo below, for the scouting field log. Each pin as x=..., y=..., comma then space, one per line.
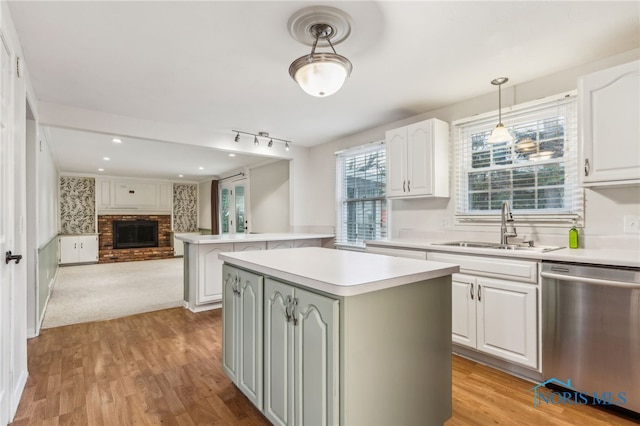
x=320, y=74
x=500, y=134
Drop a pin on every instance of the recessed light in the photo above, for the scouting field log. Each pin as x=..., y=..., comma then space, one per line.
x=101, y=170
x=180, y=175
x=116, y=140
x=106, y=158
x=200, y=168
x=232, y=155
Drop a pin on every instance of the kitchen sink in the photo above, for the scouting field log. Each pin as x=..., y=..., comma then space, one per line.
x=498, y=246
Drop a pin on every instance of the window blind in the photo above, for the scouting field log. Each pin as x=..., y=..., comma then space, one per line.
x=361, y=204
x=537, y=172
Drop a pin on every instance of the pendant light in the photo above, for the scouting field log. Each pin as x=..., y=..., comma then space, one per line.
x=321, y=74
x=500, y=134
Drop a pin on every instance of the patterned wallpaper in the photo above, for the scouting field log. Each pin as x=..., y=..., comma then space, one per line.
x=77, y=205
x=185, y=207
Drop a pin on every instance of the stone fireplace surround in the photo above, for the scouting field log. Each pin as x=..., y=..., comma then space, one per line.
x=107, y=254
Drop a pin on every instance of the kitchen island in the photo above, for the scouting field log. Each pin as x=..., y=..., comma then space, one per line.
x=203, y=269
x=320, y=336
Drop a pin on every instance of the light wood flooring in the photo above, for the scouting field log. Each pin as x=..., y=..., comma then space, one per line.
x=164, y=367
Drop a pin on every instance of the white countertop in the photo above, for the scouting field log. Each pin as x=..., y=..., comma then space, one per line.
x=231, y=238
x=338, y=272
x=628, y=258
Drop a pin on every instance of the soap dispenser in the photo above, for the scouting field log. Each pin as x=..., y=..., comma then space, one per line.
x=573, y=237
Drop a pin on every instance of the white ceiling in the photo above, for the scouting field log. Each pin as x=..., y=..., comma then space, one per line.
x=219, y=66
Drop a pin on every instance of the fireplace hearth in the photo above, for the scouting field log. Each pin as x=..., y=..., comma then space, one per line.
x=135, y=234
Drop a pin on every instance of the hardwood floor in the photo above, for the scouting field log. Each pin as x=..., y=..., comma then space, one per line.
x=164, y=367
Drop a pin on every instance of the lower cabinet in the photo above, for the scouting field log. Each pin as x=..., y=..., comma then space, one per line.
x=78, y=249
x=242, y=331
x=497, y=317
x=208, y=272
x=301, y=356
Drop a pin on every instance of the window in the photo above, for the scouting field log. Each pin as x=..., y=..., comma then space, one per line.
x=361, y=204
x=536, y=173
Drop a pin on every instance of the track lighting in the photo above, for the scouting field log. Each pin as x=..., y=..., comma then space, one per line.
x=256, y=140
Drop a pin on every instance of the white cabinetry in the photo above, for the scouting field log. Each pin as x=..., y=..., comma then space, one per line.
x=494, y=315
x=301, y=356
x=78, y=249
x=127, y=195
x=418, y=160
x=610, y=126
x=250, y=246
x=206, y=283
x=242, y=331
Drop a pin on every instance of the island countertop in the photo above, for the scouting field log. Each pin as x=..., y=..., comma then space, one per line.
x=339, y=272
x=231, y=238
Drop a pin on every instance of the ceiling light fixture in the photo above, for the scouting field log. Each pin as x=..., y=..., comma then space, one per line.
x=320, y=74
x=101, y=170
x=265, y=135
x=232, y=155
x=116, y=140
x=106, y=158
x=500, y=134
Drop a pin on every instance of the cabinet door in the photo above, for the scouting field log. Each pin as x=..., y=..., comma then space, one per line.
x=610, y=123
x=316, y=369
x=210, y=272
x=88, y=248
x=463, y=310
x=250, y=336
x=420, y=159
x=507, y=320
x=314, y=242
x=278, y=354
x=68, y=249
x=230, y=322
x=396, y=141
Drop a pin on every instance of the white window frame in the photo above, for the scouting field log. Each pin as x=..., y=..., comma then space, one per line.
x=572, y=212
x=342, y=200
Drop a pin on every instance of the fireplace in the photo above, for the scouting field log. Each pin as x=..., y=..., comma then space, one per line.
x=135, y=234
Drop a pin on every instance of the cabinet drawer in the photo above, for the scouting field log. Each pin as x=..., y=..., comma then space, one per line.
x=398, y=252
x=488, y=266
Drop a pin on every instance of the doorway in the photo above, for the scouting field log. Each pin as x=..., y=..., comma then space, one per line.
x=233, y=207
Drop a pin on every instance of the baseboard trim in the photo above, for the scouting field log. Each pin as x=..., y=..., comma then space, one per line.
x=505, y=366
x=202, y=308
x=18, y=390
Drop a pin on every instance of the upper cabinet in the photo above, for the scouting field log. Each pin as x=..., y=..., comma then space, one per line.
x=610, y=126
x=134, y=195
x=418, y=160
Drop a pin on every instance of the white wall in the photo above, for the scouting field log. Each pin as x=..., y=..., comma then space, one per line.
x=604, y=209
x=269, y=197
x=47, y=190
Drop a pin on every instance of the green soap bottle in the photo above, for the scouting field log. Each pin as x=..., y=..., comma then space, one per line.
x=573, y=237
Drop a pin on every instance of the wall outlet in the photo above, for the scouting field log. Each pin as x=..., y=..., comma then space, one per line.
x=632, y=224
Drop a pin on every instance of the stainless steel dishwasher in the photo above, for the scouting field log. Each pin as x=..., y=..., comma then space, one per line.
x=591, y=329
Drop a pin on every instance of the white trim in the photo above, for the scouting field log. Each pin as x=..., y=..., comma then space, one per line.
x=359, y=147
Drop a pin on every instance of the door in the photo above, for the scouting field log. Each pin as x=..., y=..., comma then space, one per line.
x=278, y=353
x=7, y=182
x=463, y=310
x=315, y=325
x=507, y=320
x=88, y=248
x=396, y=141
x=250, y=336
x=233, y=207
x=419, y=158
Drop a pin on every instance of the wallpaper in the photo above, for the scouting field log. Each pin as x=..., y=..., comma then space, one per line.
x=77, y=205
x=185, y=207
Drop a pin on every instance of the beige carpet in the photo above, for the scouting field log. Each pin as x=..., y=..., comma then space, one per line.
x=87, y=293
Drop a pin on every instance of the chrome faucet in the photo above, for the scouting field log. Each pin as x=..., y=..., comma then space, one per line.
x=504, y=212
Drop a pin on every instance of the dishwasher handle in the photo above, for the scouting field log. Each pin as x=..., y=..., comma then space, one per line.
x=595, y=281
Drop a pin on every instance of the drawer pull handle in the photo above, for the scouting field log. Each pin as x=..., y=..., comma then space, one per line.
x=471, y=291
x=479, y=293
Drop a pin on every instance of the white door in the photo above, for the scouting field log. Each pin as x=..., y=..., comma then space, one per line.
x=210, y=272
x=88, y=248
x=508, y=320
x=396, y=141
x=233, y=207
x=68, y=250
x=463, y=310
x=6, y=236
x=419, y=158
